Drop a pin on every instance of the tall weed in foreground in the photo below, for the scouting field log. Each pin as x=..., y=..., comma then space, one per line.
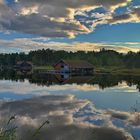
x=8, y=132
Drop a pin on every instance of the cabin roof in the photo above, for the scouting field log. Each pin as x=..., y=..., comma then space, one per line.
x=77, y=63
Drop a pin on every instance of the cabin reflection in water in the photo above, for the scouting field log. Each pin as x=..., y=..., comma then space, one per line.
x=65, y=78
x=69, y=79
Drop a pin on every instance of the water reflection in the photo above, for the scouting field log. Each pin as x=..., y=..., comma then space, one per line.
x=47, y=79
x=69, y=119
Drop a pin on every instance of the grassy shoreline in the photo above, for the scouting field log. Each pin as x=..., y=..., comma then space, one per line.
x=118, y=71
x=98, y=70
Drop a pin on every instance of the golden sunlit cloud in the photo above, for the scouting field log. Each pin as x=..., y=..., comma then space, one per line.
x=53, y=19
x=19, y=45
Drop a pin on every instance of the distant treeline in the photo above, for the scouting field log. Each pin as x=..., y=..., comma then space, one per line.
x=49, y=57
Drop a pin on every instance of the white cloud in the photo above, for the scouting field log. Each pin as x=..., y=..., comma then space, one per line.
x=28, y=44
x=51, y=18
x=132, y=15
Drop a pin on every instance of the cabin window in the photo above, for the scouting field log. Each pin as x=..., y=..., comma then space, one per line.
x=62, y=66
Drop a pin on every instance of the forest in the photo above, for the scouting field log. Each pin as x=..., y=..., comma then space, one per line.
x=103, y=58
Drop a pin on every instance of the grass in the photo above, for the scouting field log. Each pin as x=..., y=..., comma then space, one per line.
x=43, y=68
x=109, y=70
x=104, y=69
x=118, y=70
x=8, y=132
x=127, y=72
x=40, y=127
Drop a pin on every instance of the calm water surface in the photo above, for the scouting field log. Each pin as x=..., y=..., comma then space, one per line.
x=100, y=99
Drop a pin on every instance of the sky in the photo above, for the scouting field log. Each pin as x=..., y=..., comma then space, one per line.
x=69, y=25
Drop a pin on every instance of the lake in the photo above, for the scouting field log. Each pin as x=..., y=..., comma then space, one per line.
x=78, y=107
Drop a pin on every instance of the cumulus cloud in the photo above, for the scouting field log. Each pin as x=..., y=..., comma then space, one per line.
x=1, y=2
x=6, y=14
x=133, y=15
x=51, y=18
x=74, y=4
x=44, y=26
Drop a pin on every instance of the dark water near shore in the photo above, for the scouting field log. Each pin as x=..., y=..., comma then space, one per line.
x=100, y=98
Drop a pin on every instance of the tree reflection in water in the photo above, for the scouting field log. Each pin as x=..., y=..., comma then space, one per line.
x=47, y=79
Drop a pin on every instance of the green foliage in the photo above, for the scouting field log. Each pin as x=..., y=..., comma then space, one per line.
x=8, y=132
x=103, y=58
x=40, y=127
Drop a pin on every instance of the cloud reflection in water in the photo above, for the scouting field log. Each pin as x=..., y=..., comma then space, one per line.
x=70, y=119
